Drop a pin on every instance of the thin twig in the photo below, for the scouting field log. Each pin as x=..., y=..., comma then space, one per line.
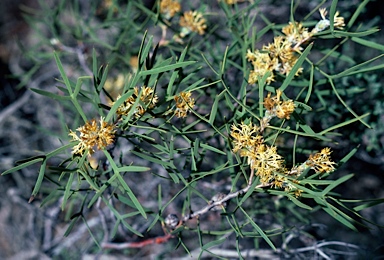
x=222, y=201
x=140, y=244
x=246, y=253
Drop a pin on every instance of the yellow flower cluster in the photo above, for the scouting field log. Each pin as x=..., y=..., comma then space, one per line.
x=324, y=23
x=277, y=107
x=320, y=162
x=262, y=64
x=278, y=56
x=261, y=157
x=148, y=101
x=246, y=136
x=281, y=55
x=192, y=21
x=296, y=33
x=169, y=8
x=268, y=164
x=100, y=134
x=92, y=135
x=184, y=102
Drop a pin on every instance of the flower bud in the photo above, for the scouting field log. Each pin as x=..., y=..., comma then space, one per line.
x=171, y=221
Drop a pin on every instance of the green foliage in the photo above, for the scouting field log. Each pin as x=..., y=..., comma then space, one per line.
x=190, y=159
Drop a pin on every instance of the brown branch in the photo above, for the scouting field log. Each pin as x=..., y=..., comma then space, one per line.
x=140, y=244
x=223, y=200
x=168, y=236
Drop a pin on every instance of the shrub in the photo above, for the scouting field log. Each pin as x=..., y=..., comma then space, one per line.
x=202, y=125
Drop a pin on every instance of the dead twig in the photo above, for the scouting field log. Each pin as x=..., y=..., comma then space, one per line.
x=139, y=244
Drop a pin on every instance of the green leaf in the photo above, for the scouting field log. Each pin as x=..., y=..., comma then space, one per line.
x=121, y=218
x=213, y=113
x=345, y=123
x=39, y=180
x=124, y=184
x=359, y=118
x=332, y=12
x=213, y=149
x=298, y=202
x=308, y=132
x=134, y=168
x=71, y=225
x=248, y=193
x=60, y=150
x=30, y=161
x=143, y=51
x=50, y=95
x=79, y=83
x=213, y=243
x=336, y=213
x=224, y=62
x=89, y=180
x=368, y=43
x=355, y=34
x=336, y=183
x=310, y=85
x=175, y=74
x=116, y=105
x=370, y=203
x=67, y=191
x=258, y=229
x=296, y=67
x=90, y=232
x=165, y=164
x=115, y=228
x=349, y=155
x=356, y=14
x=355, y=69
x=216, y=170
x=101, y=190
x=53, y=196
x=166, y=68
x=62, y=73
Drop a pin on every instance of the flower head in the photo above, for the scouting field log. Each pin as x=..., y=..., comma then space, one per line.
x=321, y=162
x=296, y=33
x=93, y=134
x=184, y=102
x=276, y=107
x=261, y=157
x=148, y=101
x=169, y=8
x=338, y=21
x=192, y=21
x=246, y=136
x=324, y=23
x=278, y=56
x=262, y=63
x=266, y=161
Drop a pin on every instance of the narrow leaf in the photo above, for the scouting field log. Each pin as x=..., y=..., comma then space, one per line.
x=50, y=95
x=39, y=179
x=166, y=68
x=23, y=165
x=124, y=184
x=62, y=73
